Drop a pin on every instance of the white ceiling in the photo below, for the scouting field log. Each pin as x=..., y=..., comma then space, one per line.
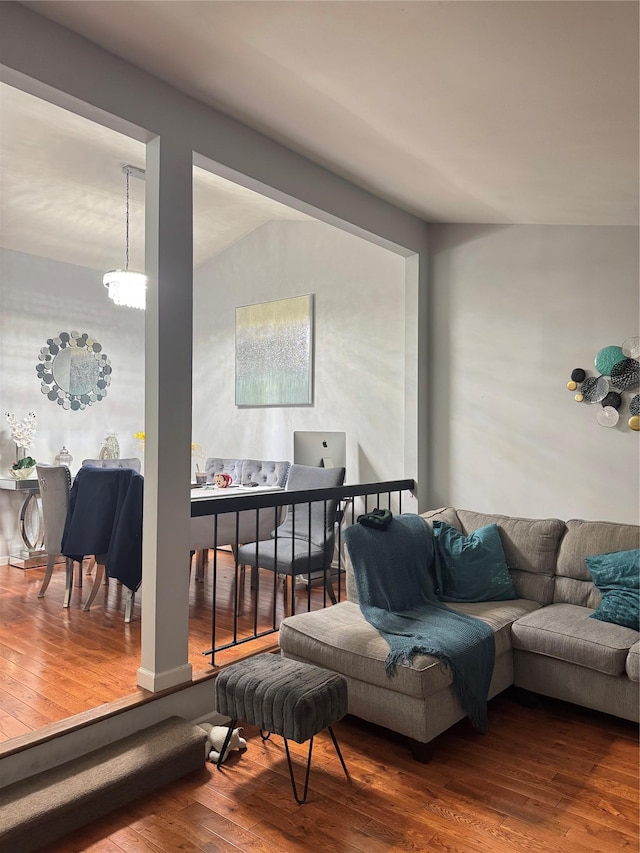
x=490, y=112
x=63, y=192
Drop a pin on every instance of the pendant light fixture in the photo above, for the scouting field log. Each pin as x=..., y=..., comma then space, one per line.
x=127, y=287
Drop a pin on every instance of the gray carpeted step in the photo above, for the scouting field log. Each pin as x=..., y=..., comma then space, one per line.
x=49, y=805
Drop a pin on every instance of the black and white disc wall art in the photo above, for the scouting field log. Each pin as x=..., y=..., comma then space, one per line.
x=631, y=348
x=612, y=388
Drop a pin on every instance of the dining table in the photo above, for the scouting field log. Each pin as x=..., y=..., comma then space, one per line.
x=205, y=532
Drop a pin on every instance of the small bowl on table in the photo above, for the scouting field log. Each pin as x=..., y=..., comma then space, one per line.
x=21, y=473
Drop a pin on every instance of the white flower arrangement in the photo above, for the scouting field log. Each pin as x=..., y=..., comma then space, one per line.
x=23, y=432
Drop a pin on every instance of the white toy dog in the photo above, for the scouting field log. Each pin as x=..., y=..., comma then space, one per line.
x=215, y=741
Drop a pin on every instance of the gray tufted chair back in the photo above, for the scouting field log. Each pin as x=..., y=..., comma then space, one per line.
x=264, y=473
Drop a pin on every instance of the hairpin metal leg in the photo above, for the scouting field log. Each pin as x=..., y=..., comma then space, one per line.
x=335, y=743
x=299, y=801
x=227, y=741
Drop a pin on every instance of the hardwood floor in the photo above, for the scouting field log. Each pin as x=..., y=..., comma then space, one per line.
x=549, y=779
x=553, y=778
x=57, y=662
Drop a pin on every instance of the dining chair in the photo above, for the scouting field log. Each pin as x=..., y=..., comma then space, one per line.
x=124, y=462
x=243, y=472
x=305, y=540
x=105, y=519
x=54, y=483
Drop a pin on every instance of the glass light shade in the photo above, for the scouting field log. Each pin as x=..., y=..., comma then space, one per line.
x=126, y=287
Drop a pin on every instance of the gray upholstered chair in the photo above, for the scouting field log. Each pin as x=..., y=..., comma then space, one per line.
x=245, y=472
x=131, y=462
x=54, y=482
x=264, y=472
x=217, y=465
x=304, y=542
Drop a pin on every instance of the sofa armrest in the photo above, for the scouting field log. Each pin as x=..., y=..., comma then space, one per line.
x=632, y=664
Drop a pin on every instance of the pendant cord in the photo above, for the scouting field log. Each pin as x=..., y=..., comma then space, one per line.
x=127, y=226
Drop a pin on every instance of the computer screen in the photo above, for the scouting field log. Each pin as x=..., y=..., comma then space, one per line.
x=320, y=449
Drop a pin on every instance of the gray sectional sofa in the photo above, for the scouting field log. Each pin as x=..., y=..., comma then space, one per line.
x=546, y=641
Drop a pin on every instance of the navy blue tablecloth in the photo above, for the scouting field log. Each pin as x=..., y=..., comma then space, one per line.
x=105, y=519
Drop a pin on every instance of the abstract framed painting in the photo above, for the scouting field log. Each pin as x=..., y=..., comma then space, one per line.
x=274, y=353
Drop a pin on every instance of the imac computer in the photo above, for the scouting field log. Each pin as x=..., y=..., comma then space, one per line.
x=320, y=449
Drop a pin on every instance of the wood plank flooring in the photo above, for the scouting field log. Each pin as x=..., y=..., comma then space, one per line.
x=549, y=779
x=57, y=662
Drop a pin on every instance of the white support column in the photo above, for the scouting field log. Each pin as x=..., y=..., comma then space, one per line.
x=167, y=464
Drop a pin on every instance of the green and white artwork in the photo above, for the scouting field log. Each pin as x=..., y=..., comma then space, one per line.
x=274, y=353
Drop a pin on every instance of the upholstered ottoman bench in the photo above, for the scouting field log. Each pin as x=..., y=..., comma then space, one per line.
x=286, y=697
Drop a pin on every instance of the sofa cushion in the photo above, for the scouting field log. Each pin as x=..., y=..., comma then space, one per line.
x=617, y=576
x=530, y=547
x=530, y=544
x=566, y=632
x=339, y=638
x=445, y=513
x=582, y=539
x=632, y=664
x=473, y=567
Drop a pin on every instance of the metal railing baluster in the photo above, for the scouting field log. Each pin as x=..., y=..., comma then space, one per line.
x=221, y=639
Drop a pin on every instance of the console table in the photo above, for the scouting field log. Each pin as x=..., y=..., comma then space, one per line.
x=29, y=524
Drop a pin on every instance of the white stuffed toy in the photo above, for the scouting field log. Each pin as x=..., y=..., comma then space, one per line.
x=215, y=741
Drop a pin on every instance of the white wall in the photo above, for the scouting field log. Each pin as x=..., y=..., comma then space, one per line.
x=40, y=298
x=359, y=353
x=513, y=311
x=359, y=345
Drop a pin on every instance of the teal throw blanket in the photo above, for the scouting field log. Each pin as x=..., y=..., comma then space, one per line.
x=396, y=595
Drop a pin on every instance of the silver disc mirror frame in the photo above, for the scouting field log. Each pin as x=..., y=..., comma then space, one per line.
x=73, y=370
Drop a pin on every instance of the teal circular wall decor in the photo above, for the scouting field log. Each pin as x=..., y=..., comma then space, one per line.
x=607, y=358
x=619, y=377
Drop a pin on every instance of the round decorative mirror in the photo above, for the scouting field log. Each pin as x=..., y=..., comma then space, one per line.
x=73, y=370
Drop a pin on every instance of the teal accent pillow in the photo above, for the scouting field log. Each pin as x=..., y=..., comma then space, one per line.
x=470, y=568
x=617, y=576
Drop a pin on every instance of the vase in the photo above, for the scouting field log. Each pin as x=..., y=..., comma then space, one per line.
x=64, y=457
